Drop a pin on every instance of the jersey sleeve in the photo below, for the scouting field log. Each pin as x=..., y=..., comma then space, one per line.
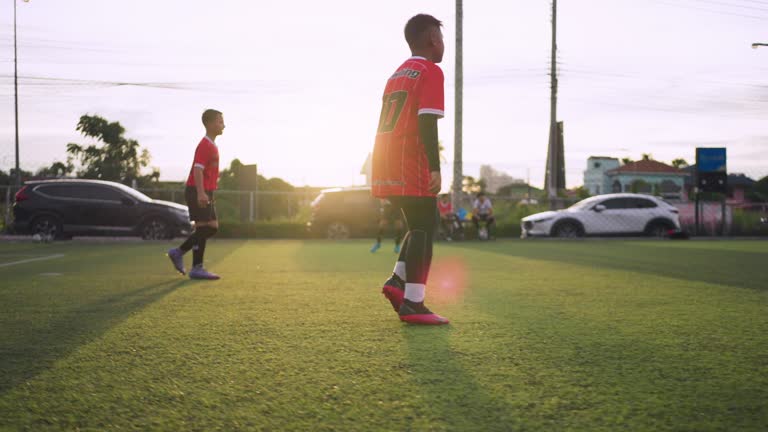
x=203, y=155
x=432, y=99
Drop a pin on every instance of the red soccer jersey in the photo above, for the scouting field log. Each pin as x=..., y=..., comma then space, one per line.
x=207, y=158
x=444, y=208
x=400, y=166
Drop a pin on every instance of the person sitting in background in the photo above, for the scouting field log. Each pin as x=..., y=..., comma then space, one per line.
x=482, y=210
x=449, y=222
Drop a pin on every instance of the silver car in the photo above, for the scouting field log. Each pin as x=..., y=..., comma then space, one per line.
x=604, y=215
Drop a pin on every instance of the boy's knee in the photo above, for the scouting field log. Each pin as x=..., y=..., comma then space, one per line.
x=206, y=231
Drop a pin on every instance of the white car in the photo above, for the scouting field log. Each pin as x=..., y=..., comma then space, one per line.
x=610, y=214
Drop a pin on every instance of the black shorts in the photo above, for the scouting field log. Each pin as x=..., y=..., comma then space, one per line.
x=197, y=213
x=420, y=212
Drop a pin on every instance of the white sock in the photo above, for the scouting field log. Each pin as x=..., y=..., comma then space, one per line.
x=414, y=292
x=400, y=269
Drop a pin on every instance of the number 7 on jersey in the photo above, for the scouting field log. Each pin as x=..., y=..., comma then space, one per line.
x=391, y=108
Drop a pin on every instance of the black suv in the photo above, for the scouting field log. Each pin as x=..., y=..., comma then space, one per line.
x=343, y=213
x=62, y=208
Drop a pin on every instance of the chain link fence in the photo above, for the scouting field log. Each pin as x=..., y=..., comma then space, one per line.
x=247, y=213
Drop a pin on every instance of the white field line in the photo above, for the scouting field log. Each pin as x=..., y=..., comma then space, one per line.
x=31, y=260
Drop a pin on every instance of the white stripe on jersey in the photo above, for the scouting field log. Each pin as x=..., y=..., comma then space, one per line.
x=438, y=112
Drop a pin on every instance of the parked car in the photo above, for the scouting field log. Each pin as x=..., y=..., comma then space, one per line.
x=342, y=213
x=61, y=208
x=610, y=214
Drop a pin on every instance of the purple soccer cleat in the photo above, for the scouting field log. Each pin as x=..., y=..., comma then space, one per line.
x=198, y=272
x=177, y=258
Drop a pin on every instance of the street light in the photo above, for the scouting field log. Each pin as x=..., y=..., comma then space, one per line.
x=758, y=44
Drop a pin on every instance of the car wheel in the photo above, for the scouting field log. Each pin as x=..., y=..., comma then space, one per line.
x=47, y=227
x=567, y=230
x=337, y=231
x=155, y=229
x=657, y=229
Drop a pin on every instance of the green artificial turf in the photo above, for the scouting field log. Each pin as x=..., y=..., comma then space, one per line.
x=545, y=336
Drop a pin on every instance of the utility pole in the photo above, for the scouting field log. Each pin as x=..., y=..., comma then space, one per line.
x=16, y=96
x=552, y=150
x=458, y=174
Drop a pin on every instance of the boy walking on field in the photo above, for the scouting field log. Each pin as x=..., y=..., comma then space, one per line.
x=201, y=183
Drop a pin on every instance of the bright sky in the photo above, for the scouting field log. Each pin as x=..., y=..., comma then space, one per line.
x=300, y=82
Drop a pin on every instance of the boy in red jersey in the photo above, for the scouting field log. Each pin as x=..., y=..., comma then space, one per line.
x=406, y=163
x=202, y=181
x=448, y=220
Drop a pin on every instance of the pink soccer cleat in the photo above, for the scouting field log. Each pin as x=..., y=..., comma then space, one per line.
x=417, y=313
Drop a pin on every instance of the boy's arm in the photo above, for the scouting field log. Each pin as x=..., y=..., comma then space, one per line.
x=202, y=197
x=202, y=156
x=428, y=135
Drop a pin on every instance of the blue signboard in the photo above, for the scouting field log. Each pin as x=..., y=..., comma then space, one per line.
x=710, y=160
x=711, y=173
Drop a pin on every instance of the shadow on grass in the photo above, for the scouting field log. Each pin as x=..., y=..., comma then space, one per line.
x=22, y=358
x=719, y=266
x=25, y=358
x=451, y=396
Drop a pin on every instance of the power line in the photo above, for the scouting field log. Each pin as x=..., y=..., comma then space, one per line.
x=732, y=5
x=718, y=12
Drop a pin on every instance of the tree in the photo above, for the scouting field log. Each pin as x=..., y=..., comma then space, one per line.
x=759, y=190
x=647, y=156
x=56, y=170
x=679, y=163
x=470, y=185
x=118, y=159
x=9, y=178
x=626, y=161
x=441, y=150
x=582, y=192
x=228, y=178
x=271, y=205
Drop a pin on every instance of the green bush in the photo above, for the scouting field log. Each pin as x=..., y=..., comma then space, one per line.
x=746, y=222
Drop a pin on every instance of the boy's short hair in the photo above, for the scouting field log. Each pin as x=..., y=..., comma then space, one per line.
x=210, y=115
x=480, y=194
x=416, y=26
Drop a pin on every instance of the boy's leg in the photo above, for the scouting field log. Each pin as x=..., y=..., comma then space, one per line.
x=394, y=287
x=420, y=216
x=377, y=245
x=207, y=231
x=491, y=225
x=398, y=234
x=197, y=215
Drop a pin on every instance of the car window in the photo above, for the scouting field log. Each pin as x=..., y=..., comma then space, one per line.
x=616, y=203
x=58, y=190
x=100, y=192
x=94, y=192
x=584, y=204
x=643, y=203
